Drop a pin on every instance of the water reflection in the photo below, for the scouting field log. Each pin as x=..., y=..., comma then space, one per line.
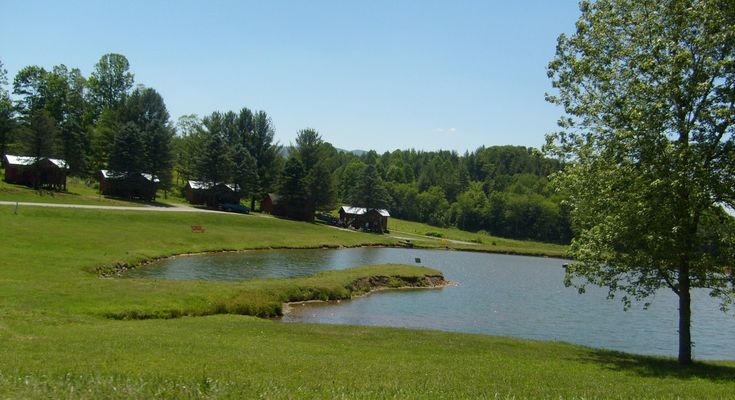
x=497, y=295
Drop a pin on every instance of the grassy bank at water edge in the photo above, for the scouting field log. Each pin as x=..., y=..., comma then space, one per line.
x=57, y=338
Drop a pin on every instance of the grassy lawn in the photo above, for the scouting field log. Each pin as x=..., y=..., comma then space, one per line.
x=61, y=335
x=77, y=192
x=474, y=241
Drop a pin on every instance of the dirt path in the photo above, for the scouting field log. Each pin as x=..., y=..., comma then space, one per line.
x=172, y=208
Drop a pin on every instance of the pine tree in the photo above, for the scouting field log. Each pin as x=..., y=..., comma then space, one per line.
x=245, y=171
x=292, y=189
x=126, y=153
x=370, y=192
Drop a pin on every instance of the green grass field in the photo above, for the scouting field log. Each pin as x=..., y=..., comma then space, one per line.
x=420, y=233
x=77, y=193
x=66, y=332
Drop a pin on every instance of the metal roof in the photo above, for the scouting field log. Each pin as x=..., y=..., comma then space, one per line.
x=362, y=210
x=150, y=177
x=200, y=185
x=107, y=174
x=22, y=160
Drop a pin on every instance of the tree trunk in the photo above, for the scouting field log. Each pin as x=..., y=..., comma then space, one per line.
x=685, y=316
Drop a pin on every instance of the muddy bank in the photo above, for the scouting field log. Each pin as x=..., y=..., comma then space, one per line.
x=371, y=284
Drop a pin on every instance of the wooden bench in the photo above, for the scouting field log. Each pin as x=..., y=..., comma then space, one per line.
x=197, y=229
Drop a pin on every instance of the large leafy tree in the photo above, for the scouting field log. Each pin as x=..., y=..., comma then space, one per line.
x=648, y=87
x=187, y=144
x=30, y=85
x=109, y=83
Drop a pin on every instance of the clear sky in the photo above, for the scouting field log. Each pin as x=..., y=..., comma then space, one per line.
x=375, y=75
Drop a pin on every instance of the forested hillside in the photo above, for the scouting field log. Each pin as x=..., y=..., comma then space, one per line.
x=105, y=121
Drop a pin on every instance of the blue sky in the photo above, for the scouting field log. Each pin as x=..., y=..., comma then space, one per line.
x=368, y=75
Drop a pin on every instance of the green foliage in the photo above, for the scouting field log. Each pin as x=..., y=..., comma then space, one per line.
x=30, y=85
x=648, y=92
x=41, y=135
x=293, y=189
x=319, y=185
x=7, y=120
x=145, y=108
x=187, y=145
x=126, y=154
x=109, y=83
x=213, y=164
x=265, y=151
x=369, y=191
x=245, y=171
x=101, y=138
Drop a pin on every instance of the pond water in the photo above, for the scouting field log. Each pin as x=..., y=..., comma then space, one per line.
x=496, y=295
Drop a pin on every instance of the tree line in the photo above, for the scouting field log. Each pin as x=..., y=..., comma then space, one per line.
x=105, y=121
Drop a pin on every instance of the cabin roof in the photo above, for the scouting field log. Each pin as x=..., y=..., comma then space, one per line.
x=362, y=210
x=201, y=185
x=26, y=161
x=107, y=174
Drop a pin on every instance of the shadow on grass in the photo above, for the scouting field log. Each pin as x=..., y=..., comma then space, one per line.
x=655, y=367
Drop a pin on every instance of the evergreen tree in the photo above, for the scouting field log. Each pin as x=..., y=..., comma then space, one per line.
x=320, y=189
x=7, y=120
x=101, y=137
x=214, y=164
x=292, y=189
x=41, y=135
x=369, y=192
x=245, y=171
x=126, y=153
x=265, y=151
x=146, y=109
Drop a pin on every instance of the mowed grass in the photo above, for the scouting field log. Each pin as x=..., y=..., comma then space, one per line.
x=77, y=192
x=422, y=233
x=58, y=340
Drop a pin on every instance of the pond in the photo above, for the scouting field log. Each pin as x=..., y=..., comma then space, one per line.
x=495, y=295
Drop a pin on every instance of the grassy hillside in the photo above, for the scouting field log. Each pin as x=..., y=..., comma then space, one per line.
x=59, y=336
x=77, y=192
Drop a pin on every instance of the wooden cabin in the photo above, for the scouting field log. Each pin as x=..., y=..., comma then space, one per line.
x=372, y=220
x=43, y=172
x=133, y=186
x=271, y=205
x=198, y=192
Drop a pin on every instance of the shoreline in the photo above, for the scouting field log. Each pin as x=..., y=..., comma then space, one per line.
x=288, y=306
x=118, y=268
